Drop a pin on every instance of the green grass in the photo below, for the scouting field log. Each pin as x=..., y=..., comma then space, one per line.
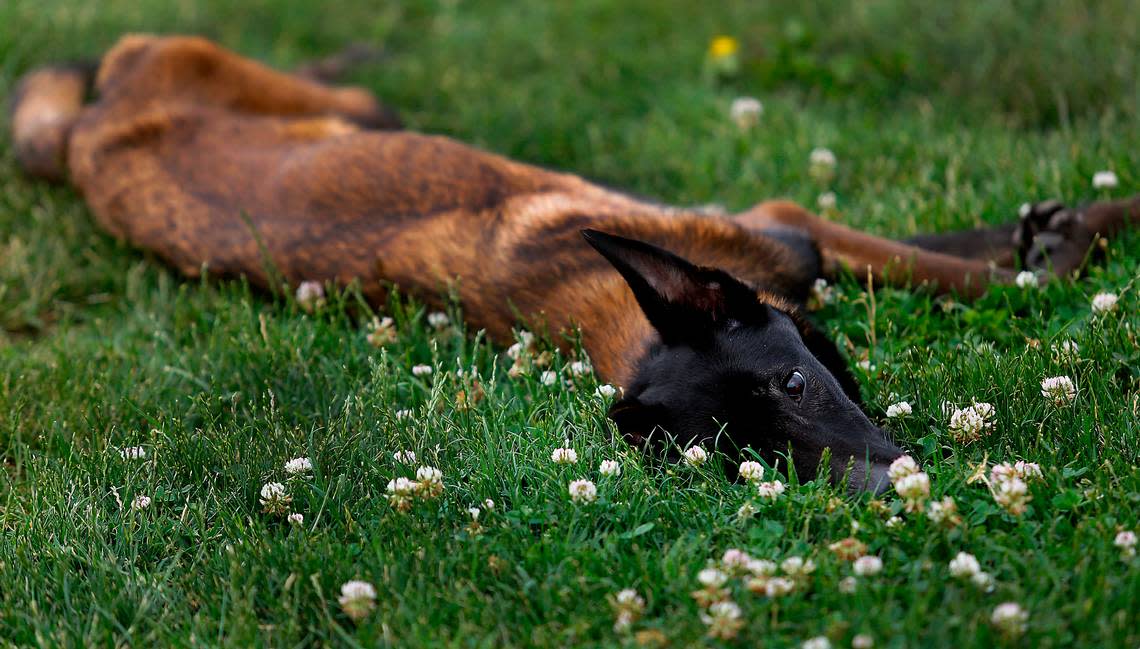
x=940, y=120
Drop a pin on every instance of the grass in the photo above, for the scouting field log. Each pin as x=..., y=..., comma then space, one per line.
x=939, y=121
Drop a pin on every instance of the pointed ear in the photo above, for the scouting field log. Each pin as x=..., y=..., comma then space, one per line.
x=637, y=422
x=680, y=299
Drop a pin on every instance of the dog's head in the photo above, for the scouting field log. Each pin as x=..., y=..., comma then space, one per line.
x=738, y=368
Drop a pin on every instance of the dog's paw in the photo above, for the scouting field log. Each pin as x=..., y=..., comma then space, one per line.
x=1051, y=237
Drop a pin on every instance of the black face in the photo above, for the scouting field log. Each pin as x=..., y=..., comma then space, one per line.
x=735, y=372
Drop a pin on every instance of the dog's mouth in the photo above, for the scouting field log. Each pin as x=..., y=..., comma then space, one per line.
x=872, y=477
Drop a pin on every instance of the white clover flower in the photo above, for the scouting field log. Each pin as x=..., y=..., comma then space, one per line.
x=549, y=378
x=421, y=370
x=778, y=586
x=474, y=512
x=1025, y=279
x=298, y=465
x=847, y=585
x=580, y=368
x=564, y=456
x=1059, y=389
x=818, y=642
x=983, y=580
x=1010, y=619
x=865, y=365
x=140, y=503
x=695, y=456
x=310, y=295
x=747, y=510
x=862, y=641
x=296, y=519
x=623, y=622
x=629, y=597
x=893, y=521
x=1027, y=470
x=723, y=619
x=400, y=493
x=822, y=157
x=770, y=490
x=1105, y=180
x=629, y=606
x=751, y=471
x=943, y=512
x=821, y=292
x=403, y=414
x=712, y=578
x=1012, y=495
x=610, y=468
x=357, y=599
x=914, y=489
x=826, y=201
x=606, y=391
x=583, y=492
x=1126, y=541
x=901, y=468
x=405, y=456
x=796, y=566
x=133, y=453
x=761, y=567
x=1005, y=471
x=1104, y=302
x=430, y=481
x=867, y=566
x=402, y=486
x=746, y=112
x=964, y=565
x=735, y=559
x=381, y=332
x=274, y=498
x=900, y=409
x=438, y=319
x=969, y=423
x=489, y=504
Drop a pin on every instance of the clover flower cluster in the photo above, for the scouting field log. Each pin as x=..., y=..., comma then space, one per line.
x=970, y=423
x=912, y=484
x=403, y=492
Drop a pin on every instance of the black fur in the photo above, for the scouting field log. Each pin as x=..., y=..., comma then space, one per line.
x=718, y=376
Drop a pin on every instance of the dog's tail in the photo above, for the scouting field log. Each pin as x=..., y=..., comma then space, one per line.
x=44, y=108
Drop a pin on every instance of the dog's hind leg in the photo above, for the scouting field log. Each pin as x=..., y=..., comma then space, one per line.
x=187, y=68
x=887, y=261
x=44, y=108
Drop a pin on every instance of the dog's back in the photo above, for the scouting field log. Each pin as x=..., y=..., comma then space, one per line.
x=208, y=159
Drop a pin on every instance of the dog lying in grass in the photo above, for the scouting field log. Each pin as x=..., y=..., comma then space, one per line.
x=214, y=161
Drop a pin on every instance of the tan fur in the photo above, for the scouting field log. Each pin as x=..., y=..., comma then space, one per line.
x=189, y=144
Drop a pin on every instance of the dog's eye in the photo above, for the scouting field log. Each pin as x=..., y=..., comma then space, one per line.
x=794, y=386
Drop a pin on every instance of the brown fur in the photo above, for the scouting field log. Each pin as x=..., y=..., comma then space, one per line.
x=188, y=144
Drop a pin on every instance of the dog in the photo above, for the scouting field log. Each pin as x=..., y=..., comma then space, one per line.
x=213, y=161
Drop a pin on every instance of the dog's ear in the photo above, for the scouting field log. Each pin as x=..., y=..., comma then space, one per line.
x=828, y=355
x=682, y=301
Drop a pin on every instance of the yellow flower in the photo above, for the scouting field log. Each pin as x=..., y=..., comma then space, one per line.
x=723, y=47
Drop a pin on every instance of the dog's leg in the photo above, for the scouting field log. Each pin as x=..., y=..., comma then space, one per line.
x=195, y=69
x=1047, y=235
x=887, y=260
x=44, y=108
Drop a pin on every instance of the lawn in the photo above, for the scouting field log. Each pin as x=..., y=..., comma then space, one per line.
x=940, y=116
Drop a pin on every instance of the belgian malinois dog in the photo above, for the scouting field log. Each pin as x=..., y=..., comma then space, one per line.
x=212, y=161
